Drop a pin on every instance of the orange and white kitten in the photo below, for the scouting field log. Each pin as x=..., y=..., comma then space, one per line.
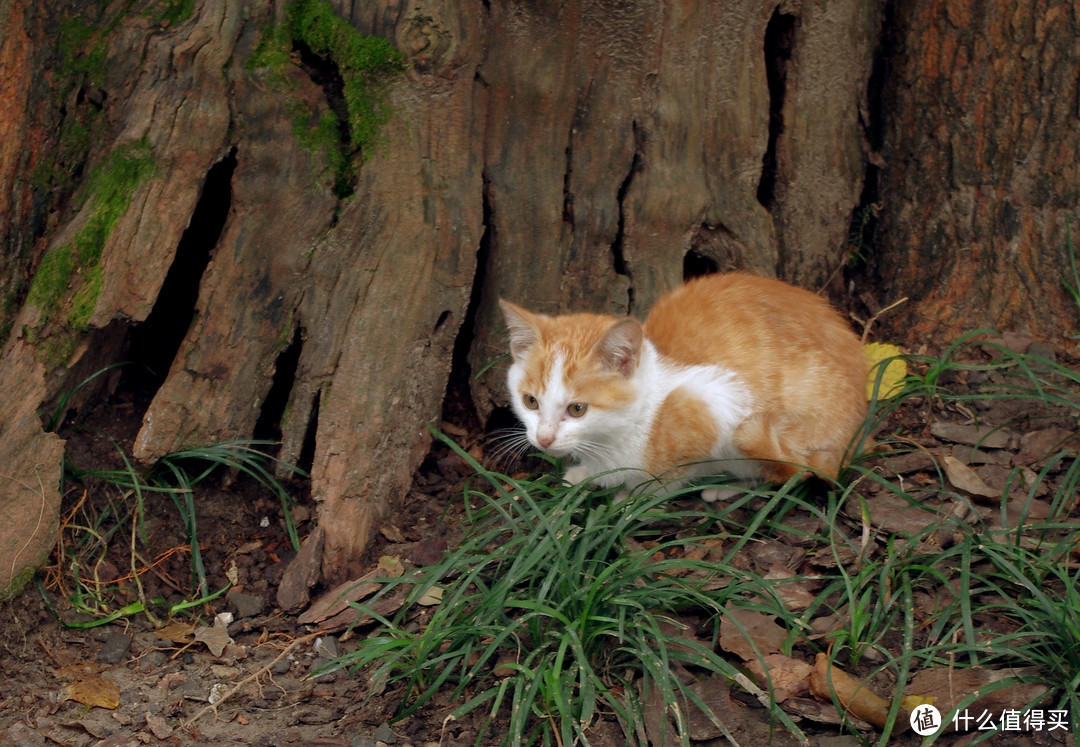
x=729, y=373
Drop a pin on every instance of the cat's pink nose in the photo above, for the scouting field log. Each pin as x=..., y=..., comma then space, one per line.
x=545, y=440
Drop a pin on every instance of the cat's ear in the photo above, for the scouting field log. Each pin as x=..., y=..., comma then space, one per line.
x=620, y=347
x=523, y=332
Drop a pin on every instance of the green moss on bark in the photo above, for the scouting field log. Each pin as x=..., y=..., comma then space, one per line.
x=365, y=64
x=70, y=276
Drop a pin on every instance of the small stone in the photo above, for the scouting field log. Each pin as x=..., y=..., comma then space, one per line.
x=153, y=659
x=318, y=664
x=233, y=653
x=281, y=666
x=327, y=647
x=114, y=648
x=159, y=726
x=383, y=733
x=217, y=693
x=247, y=605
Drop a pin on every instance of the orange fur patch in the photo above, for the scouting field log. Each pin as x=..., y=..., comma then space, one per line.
x=683, y=432
x=797, y=356
x=572, y=338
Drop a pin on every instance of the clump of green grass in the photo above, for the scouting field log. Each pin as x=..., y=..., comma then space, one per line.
x=84, y=546
x=1010, y=607
x=177, y=474
x=551, y=585
x=1015, y=573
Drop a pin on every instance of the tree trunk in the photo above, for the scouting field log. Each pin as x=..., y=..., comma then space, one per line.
x=632, y=144
x=574, y=155
x=981, y=145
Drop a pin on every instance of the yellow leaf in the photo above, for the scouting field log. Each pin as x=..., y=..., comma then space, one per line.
x=911, y=702
x=827, y=681
x=93, y=691
x=880, y=354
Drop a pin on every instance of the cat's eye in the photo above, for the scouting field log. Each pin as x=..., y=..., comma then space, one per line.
x=530, y=402
x=577, y=409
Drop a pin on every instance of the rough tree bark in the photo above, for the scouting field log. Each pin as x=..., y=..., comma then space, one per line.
x=31, y=458
x=366, y=293
x=630, y=142
x=583, y=153
x=981, y=144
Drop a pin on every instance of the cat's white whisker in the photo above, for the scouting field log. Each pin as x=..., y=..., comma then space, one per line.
x=506, y=446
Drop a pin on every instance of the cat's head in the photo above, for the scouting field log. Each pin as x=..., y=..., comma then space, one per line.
x=571, y=382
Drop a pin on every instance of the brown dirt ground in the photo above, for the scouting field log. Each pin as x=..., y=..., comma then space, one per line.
x=162, y=689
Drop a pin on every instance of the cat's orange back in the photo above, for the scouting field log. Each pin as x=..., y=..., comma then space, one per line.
x=798, y=357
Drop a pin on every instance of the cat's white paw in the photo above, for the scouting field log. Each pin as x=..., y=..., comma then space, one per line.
x=712, y=495
x=576, y=474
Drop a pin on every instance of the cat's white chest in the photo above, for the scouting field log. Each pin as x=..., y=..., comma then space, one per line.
x=725, y=398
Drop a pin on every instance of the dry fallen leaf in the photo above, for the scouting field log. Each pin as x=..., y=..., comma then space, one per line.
x=177, y=632
x=789, y=677
x=796, y=595
x=761, y=631
x=948, y=686
x=391, y=566
x=431, y=597
x=714, y=694
x=160, y=728
x=392, y=534
x=964, y=478
x=827, y=680
x=215, y=638
x=92, y=691
x=78, y=671
x=897, y=515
